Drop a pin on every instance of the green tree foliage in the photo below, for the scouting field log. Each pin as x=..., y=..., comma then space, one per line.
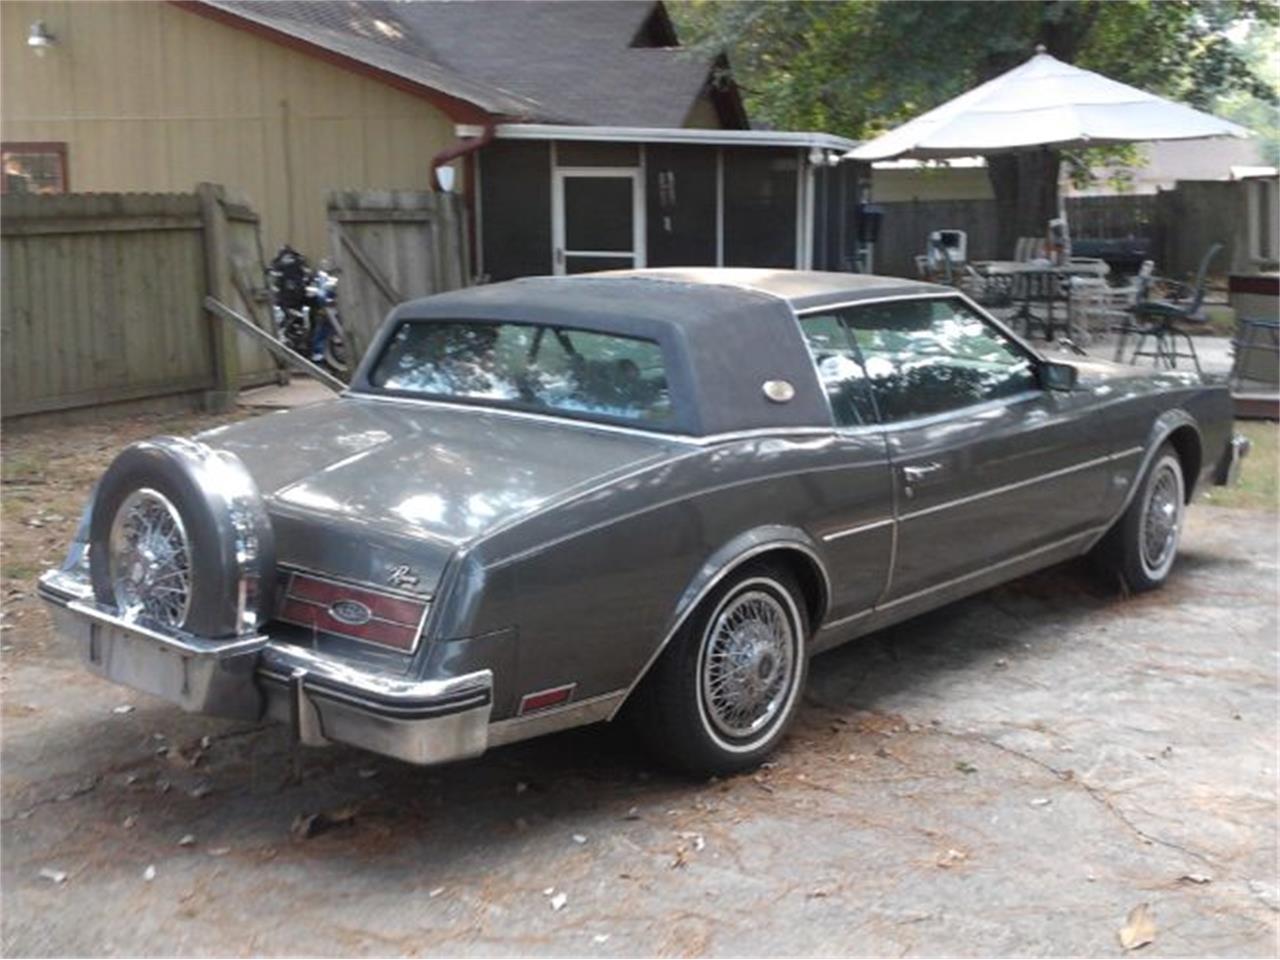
x=859, y=67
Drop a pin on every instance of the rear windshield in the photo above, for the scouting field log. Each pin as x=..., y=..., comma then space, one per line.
x=528, y=366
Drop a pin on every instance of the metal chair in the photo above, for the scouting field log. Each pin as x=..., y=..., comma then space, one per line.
x=1161, y=322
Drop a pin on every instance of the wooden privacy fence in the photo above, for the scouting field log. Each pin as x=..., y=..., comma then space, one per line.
x=392, y=246
x=102, y=299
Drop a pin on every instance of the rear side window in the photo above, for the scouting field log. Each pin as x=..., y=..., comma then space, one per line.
x=535, y=367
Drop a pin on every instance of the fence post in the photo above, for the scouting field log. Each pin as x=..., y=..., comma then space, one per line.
x=223, y=348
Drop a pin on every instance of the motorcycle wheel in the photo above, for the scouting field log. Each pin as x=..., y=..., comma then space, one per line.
x=337, y=356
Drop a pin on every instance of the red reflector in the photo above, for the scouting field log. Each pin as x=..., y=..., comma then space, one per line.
x=543, y=699
x=361, y=614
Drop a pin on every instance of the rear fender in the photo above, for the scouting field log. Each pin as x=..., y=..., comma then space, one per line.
x=743, y=548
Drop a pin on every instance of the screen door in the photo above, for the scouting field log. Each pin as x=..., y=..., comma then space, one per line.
x=598, y=220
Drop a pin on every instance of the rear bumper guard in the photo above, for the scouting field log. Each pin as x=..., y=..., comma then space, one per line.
x=324, y=699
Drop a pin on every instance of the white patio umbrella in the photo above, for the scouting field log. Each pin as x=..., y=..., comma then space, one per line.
x=1043, y=103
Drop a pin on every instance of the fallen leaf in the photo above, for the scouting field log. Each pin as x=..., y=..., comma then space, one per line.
x=435, y=893
x=951, y=858
x=578, y=838
x=218, y=851
x=188, y=840
x=1139, y=928
x=129, y=821
x=1196, y=878
x=559, y=900
x=149, y=874
x=367, y=773
x=306, y=826
x=57, y=876
x=123, y=708
x=632, y=814
x=964, y=766
x=600, y=938
x=1041, y=802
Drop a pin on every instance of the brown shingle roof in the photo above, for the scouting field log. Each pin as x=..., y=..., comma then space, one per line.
x=534, y=60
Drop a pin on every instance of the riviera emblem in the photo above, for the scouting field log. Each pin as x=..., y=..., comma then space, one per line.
x=402, y=576
x=351, y=612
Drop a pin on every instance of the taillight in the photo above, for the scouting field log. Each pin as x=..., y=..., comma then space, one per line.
x=350, y=611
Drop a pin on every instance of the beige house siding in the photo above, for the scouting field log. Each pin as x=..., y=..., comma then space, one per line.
x=150, y=97
x=965, y=183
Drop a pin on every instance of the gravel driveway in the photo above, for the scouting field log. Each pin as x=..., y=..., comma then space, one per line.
x=1013, y=774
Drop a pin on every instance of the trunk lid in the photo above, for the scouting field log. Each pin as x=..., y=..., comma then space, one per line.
x=359, y=488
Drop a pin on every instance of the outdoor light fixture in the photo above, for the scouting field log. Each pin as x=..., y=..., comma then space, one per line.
x=823, y=158
x=39, y=38
x=445, y=177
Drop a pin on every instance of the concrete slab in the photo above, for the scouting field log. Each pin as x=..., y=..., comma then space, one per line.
x=1008, y=776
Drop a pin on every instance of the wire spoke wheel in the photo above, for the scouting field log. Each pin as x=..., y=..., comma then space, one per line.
x=150, y=560
x=748, y=664
x=1161, y=518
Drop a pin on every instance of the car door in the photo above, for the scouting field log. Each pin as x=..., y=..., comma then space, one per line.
x=987, y=465
x=855, y=526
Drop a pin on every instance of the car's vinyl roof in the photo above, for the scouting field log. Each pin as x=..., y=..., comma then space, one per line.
x=802, y=289
x=725, y=332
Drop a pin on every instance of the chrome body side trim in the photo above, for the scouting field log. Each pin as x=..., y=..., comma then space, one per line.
x=577, y=714
x=650, y=507
x=696, y=440
x=854, y=530
x=1006, y=488
x=353, y=394
x=849, y=619
x=989, y=568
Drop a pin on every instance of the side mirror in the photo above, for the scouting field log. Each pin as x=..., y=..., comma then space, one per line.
x=1058, y=376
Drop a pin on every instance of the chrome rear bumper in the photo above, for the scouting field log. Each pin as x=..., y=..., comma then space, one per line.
x=324, y=699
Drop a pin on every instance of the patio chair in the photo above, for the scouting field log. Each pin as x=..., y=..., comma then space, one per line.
x=1163, y=322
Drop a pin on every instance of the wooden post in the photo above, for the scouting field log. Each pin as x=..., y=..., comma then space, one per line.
x=223, y=348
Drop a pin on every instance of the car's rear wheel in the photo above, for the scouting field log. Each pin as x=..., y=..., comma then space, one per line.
x=179, y=539
x=724, y=692
x=1143, y=545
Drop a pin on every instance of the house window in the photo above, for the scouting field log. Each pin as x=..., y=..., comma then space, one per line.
x=33, y=168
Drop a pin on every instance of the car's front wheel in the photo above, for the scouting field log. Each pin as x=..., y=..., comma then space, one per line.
x=724, y=692
x=1143, y=544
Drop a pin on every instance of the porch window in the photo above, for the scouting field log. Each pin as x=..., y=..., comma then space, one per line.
x=760, y=199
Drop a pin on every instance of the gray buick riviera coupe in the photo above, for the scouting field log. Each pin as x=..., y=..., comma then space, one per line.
x=546, y=502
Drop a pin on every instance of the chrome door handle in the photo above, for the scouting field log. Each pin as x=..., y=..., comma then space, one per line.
x=922, y=471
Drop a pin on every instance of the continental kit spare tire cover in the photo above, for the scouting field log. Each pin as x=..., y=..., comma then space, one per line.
x=179, y=539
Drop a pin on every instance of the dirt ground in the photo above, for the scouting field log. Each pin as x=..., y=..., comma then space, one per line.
x=1012, y=775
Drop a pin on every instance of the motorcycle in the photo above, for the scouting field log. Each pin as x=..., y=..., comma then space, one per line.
x=304, y=307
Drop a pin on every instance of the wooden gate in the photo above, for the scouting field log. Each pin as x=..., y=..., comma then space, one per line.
x=392, y=246
x=103, y=293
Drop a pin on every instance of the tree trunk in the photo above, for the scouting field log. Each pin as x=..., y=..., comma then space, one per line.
x=1025, y=185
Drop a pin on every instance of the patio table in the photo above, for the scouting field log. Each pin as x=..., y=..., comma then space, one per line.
x=1041, y=280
